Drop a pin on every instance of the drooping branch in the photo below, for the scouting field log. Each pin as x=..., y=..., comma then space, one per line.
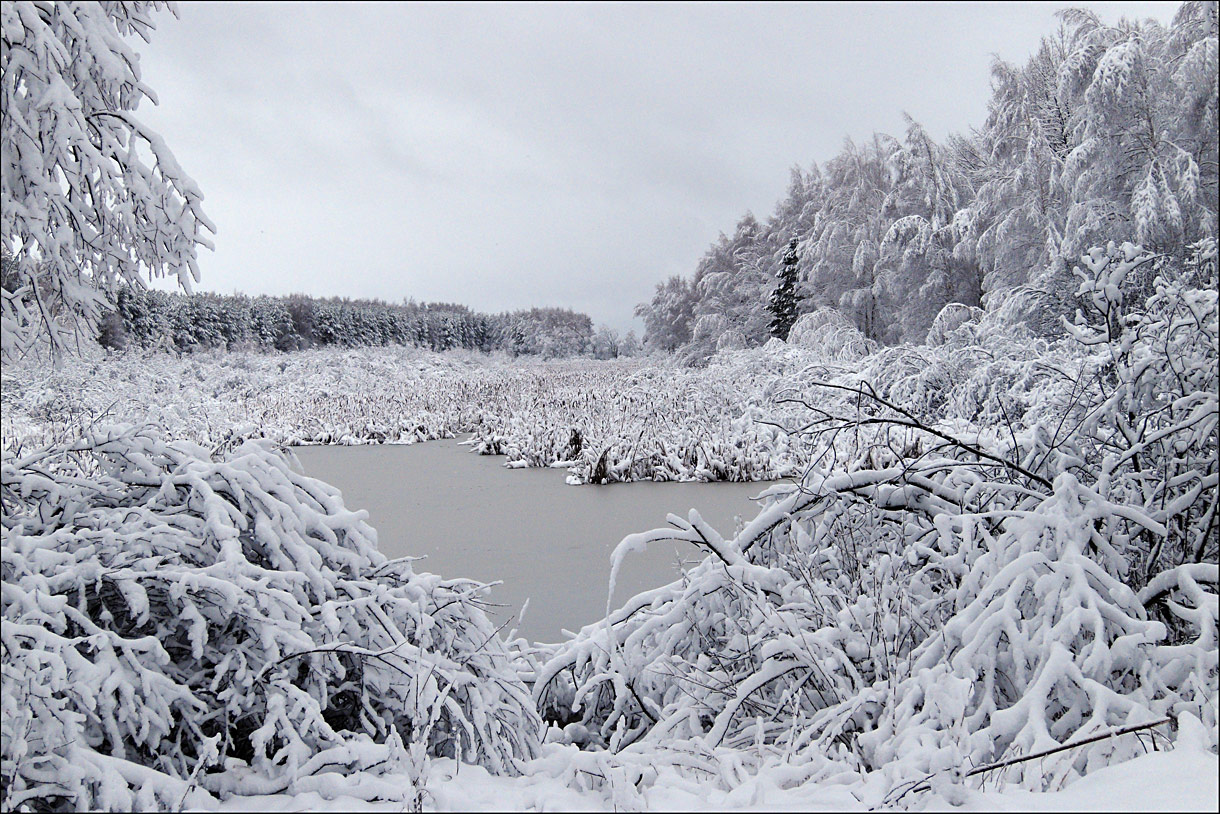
x=913, y=422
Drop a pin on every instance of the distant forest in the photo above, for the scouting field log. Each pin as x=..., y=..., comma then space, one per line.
x=1106, y=133
x=187, y=322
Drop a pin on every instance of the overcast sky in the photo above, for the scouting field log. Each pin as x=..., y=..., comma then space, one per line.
x=505, y=156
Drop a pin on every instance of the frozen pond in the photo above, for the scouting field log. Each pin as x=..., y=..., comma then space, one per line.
x=544, y=539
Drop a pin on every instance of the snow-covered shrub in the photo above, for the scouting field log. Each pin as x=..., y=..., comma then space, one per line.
x=1155, y=410
x=831, y=333
x=169, y=613
x=1046, y=644
x=780, y=622
x=998, y=548
x=955, y=320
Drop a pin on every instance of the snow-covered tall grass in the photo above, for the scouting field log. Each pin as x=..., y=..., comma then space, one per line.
x=606, y=420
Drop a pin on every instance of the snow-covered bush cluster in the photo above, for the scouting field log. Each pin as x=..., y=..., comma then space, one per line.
x=614, y=420
x=999, y=548
x=179, y=623
x=1000, y=544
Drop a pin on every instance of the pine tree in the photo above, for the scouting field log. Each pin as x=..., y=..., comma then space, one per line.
x=783, y=299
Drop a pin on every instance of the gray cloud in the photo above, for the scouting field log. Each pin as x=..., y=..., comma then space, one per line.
x=513, y=155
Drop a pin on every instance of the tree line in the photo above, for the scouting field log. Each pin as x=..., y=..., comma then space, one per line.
x=186, y=322
x=1106, y=133
x=95, y=206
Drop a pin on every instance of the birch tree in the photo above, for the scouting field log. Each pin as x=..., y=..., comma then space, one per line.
x=91, y=197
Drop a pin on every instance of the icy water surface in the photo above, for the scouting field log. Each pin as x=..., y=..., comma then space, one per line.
x=544, y=539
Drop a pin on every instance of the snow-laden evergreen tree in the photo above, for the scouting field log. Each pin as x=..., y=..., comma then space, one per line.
x=782, y=305
x=89, y=196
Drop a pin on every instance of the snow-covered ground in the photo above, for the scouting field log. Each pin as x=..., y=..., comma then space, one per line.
x=1185, y=779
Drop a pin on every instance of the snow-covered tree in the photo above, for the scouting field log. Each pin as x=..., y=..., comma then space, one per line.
x=89, y=195
x=729, y=290
x=668, y=315
x=605, y=343
x=782, y=304
x=1107, y=132
x=628, y=345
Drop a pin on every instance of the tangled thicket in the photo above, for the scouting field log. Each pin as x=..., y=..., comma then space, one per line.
x=1003, y=546
x=169, y=614
x=615, y=421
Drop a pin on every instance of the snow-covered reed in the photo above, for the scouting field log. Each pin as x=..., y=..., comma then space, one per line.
x=606, y=420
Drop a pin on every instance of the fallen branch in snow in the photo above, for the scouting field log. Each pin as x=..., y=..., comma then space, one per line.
x=1114, y=733
x=1004, y=764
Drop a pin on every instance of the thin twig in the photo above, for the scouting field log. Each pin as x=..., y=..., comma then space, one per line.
x=1127, y=730
x=914, y=423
